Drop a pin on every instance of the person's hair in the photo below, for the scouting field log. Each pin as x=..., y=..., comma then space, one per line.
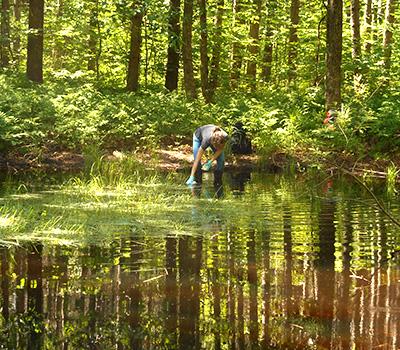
x=218, y=138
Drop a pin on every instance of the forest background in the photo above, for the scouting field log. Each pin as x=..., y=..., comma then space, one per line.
x=123, y=74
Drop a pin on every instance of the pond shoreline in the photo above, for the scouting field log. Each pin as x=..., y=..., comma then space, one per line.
x=178, y=159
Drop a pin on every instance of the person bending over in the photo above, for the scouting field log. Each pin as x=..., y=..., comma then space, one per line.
x=208, y=136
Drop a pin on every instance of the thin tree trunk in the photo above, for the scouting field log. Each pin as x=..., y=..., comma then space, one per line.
x=188, y=76
x=171, y=77
x=388, y=33
x=17, y=40
x=368, y=24
x=93, y=38
x=268, y=48
x=147, y=52
x=216, y=54
x=318, y=76
x=58, y=51
x=267, y=60
x=136, y=40
x=5, y=34
x=237, y=48
x=378, y=16
x=355, y=31
x=334, y=54
x=293, y=38
x=35, y=41
x=204, y=50
x=254, y=47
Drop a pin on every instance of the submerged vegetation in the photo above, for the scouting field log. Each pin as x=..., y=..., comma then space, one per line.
x=122, y=198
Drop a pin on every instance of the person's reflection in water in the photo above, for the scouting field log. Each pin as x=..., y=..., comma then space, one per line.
x=218, y=193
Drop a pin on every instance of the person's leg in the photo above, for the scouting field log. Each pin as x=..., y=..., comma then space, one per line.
x=221, y=162
x=196, y=145
x=219, y=170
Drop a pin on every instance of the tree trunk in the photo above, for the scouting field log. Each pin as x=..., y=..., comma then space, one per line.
x=94, y=38
x=254, y=44
x=267, y=60
x=17, y=41
x=58, y=50
x=378, y=16
x=388, y=33
x=268, y=48
x=237, y=48
x=134, y=54
x=216, y=55
x=204, y=50
x=5, y=34
x=355, y=31
x=334, y=54
x=171, y=77
x=188, y=76
x=35, y=41
x=293, y=38
x=368, y=24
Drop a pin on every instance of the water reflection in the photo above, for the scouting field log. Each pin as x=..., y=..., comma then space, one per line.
x=312, y=273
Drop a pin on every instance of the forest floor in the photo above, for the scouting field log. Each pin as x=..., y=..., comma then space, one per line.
x=179, y=158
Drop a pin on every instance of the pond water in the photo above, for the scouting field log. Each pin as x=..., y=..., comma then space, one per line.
x=263, y=262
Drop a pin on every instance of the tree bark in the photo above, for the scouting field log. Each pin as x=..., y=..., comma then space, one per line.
x=268, y=48
x=388, y=33
x=216, y=55
x=5, y=34
x=188, y=76
x=171, y=77
x=293, y=38
x=17, y=41
x=237, y=48
x=368, y=24
x=94, y=38
x=334, y=54
x=255, y=41
x=134, y=54
x=58, y=50
x=355, y=31
x=35, y=41
x=204, y=50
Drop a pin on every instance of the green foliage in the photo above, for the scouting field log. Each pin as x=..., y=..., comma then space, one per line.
x=391, y=179
x=69, y=113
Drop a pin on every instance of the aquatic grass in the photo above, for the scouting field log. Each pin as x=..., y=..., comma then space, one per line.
x=392, y=173
x=92, y=210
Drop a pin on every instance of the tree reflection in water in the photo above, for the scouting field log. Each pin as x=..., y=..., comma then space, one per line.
x=298, y=273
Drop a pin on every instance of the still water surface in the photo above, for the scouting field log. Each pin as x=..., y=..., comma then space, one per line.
x=284, y=264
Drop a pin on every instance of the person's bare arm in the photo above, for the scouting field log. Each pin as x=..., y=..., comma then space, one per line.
x=217, y=154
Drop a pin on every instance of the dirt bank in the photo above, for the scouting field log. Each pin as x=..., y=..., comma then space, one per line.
x=180, y=159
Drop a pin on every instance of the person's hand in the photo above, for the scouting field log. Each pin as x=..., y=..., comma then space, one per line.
x=191, y=181
x=207, y=165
